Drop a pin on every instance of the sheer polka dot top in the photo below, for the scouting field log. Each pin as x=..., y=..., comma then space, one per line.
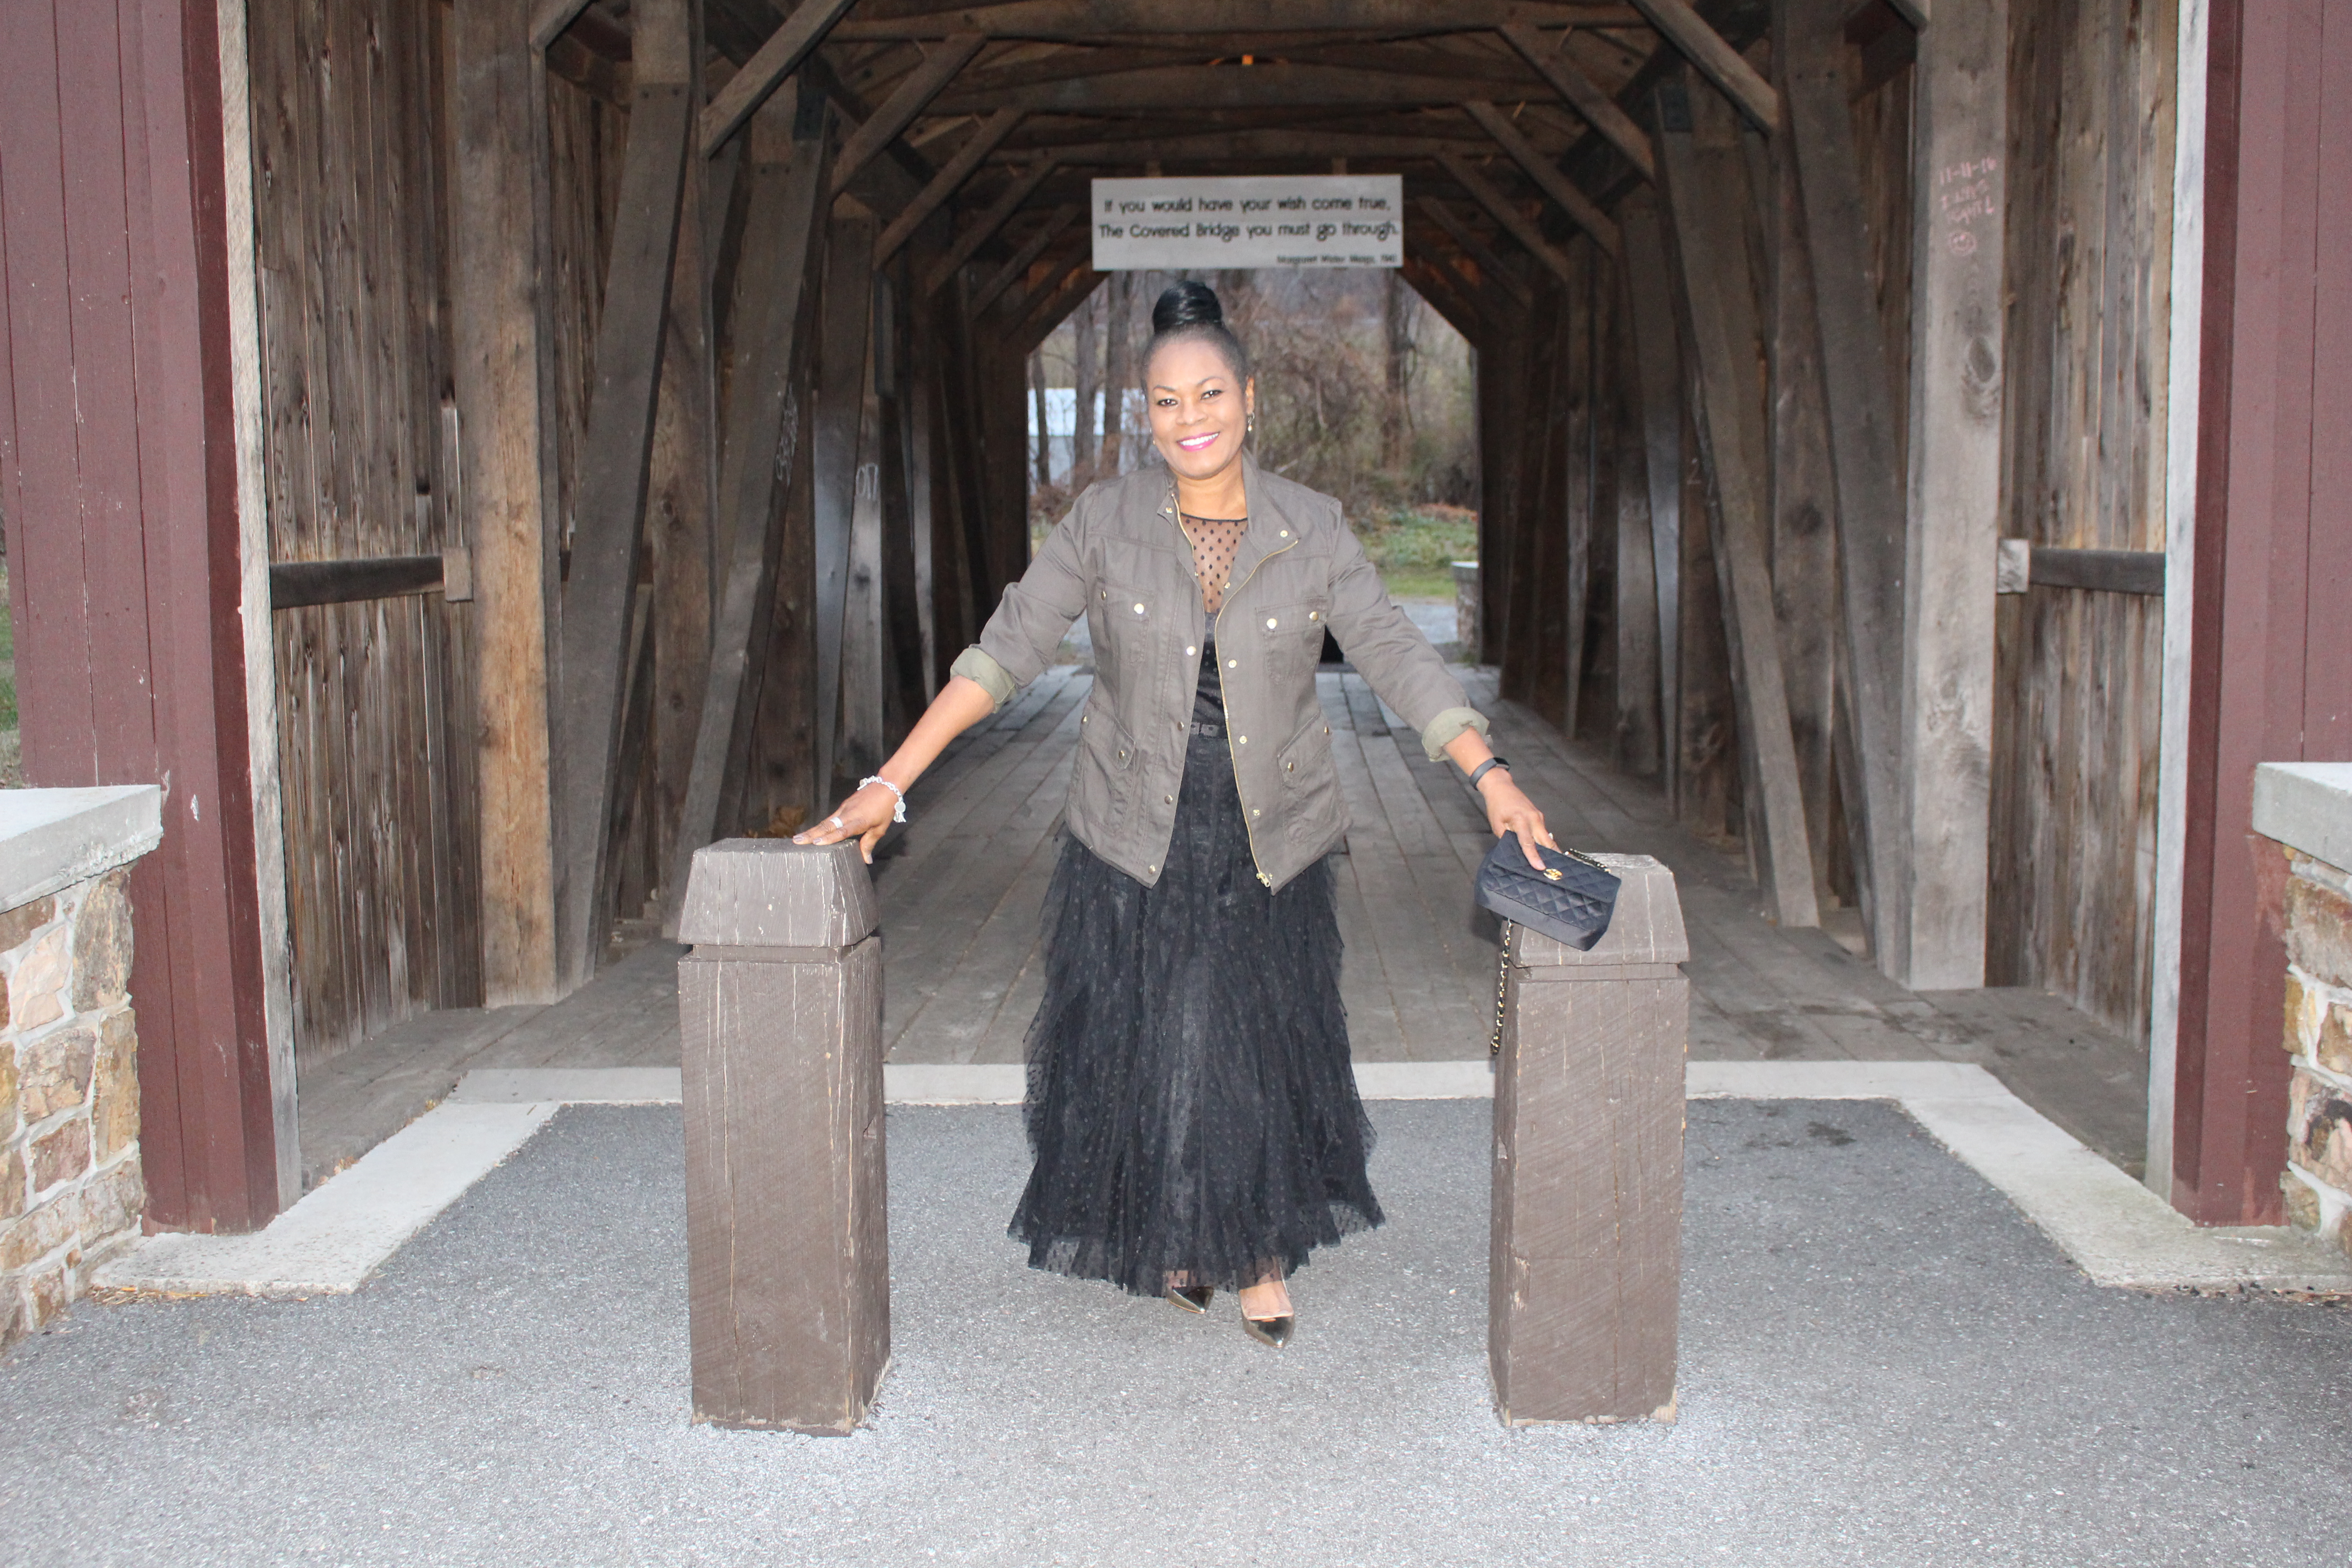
x=1215, y=540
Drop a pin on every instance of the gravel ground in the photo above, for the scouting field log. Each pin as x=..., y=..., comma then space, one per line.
x=1882, y=1364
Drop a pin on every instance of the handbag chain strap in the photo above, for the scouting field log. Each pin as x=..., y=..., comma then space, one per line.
x=1502, y=989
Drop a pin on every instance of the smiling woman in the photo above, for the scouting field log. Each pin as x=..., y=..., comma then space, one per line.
x=1191, y=1105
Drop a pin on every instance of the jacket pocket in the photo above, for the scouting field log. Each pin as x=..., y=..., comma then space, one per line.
x=1128, y=624
x=1106, y=762
x=1291, y=635
x=1310, y=782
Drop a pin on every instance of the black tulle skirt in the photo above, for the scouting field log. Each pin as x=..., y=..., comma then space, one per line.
x=1192, y=1107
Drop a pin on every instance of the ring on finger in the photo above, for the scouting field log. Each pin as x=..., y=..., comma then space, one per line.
x=835, y=820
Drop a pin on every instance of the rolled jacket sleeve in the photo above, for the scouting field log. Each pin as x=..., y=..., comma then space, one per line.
x=1381, y=640
x=1447, y=727
x=974, y=664
x=1035, y=614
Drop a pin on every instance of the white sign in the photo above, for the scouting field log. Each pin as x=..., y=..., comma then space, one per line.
x=1180, y=224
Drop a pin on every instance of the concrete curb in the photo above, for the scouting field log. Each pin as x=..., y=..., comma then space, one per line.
x=342, y=1231
x=2115, y=1230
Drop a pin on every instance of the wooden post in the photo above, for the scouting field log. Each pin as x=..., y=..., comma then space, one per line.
x=1803, y=524
x=615, y=463
x=863, y=655
x=1708, y=193
x=788, y=1245
x=1585, y=1269
x=1657, y=359
x=1810, y=44
x=780, y=235
x=1961, y=150
x=497, y=336
x=846, y=333
x=1639, y=645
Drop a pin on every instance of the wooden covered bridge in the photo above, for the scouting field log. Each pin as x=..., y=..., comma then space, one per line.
x=474, y=452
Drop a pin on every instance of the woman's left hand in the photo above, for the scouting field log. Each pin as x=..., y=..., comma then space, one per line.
x=1509, y=810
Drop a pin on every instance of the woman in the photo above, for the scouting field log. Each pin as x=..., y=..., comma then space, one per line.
x=1191, y=1108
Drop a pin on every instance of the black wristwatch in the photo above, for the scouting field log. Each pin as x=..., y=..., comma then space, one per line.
x=1480, y=771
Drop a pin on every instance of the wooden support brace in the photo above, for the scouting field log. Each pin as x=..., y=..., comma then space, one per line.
x=1657, y=356
x=845, y=336
x=947, y=182
x=777, y=58
x=916, y=89
x=1492, y=272
x=984, y=228
x=1054, y=305
x=1718, y=60
x=1034, y=245
x=1578, y=207
x=780, y=233
x=1706, y=190
x=1585, y=96
x=610, y=524
x=1514, y=221
x=1872, y=532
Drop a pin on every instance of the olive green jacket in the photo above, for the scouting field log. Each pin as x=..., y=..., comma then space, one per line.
x=1120, y=559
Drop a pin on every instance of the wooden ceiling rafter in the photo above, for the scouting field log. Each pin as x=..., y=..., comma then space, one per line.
x=1228, y=18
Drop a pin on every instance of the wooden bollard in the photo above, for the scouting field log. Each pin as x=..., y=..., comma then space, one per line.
x=1585, y=1273
x=788, y=1247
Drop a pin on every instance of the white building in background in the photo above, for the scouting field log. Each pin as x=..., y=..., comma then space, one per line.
x=1062, y=425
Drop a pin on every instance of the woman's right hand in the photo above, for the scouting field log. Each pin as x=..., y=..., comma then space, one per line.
x=865, y=816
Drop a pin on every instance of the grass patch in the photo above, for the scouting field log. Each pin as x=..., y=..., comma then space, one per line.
x=1415, y=548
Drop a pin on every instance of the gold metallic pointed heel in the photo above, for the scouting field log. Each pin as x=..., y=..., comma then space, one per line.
x=1193, y=1298
x=1274, y=1332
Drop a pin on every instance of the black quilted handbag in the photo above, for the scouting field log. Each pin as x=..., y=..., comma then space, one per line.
x=1571, y=900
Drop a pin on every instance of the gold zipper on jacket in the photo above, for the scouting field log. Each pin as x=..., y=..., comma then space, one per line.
x=1224, y=603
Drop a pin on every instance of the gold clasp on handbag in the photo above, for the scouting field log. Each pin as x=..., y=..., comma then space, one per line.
x=1551, y=874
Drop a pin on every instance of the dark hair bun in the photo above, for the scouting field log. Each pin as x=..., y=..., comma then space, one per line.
x=1190, y=303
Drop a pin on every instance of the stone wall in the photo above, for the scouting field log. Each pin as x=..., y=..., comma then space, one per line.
x=70, y=1191
x=2318, y=927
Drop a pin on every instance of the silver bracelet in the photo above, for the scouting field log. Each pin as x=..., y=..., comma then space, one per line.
x=898, y=812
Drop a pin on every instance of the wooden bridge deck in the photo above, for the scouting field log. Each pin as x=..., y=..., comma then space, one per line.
x=963, y=883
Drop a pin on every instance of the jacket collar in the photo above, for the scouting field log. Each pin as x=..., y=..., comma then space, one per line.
x=1271, y=530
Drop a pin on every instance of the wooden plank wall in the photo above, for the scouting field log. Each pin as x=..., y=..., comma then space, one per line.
x=2074, y=767
x=350, y=147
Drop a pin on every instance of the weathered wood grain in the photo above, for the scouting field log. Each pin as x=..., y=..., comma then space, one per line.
x=1585, y=1266
x=1706, y=190
x=788, y=1272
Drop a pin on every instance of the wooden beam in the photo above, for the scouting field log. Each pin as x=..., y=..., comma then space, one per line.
x=1499, y=208
x=914, y=92
x=609, y=528
x=1584, y=95
x=980, y=230
x=948, y=180
x=293, y=584
x=1313, y=146
x=1634, y=618
x=844, y=338
x=1053, y=306
x=1709, y=203
x=1055, y=222
x=790, y=44
x=1201, y=89
x=2098, y=571
x=1810, y=44
x=1444, y=297
x=780, y=235
x=1804, y=533
x=1657, y=357
x=1490, y=266
x=497, y=338
x=1580, y=208
x=1959, y=313
x=1083, y=20
x=1717, y=61
x=862, y=658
